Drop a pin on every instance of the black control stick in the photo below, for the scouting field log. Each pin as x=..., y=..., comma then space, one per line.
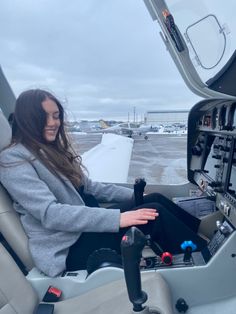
x=139, y=187
x=188, y=247
x=132, y=245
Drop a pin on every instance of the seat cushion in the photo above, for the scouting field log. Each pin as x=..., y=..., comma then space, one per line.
x=16, y=293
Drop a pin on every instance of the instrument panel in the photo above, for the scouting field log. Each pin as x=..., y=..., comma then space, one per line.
x=213, y=155
x=221, y=117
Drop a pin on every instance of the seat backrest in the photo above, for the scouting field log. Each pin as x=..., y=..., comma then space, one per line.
x=16, y=294
x=7, y=97
x=10, y=224
x=5, y=131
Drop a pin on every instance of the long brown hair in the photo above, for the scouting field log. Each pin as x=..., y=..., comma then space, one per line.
x=28, y=125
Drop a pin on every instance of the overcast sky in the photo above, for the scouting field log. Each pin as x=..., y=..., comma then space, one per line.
x=101, y=57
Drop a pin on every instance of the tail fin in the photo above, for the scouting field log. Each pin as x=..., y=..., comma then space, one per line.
x=103, y=124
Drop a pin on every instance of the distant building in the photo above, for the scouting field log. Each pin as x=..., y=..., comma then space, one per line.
x=166, y=117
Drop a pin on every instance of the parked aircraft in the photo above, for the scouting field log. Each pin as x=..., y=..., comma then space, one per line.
x=128, y=128
x=193, y=282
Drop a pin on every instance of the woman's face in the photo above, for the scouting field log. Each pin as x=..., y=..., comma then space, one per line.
x=52, y=120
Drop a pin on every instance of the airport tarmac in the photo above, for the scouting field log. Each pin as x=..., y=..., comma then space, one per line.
x=161, y=159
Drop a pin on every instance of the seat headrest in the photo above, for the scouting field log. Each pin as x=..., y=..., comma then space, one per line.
x=5, y=131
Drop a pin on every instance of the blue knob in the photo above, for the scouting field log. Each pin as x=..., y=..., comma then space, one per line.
x=189, y=244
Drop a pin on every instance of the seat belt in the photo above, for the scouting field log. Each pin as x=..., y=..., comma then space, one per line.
x=45, y=308
x=53, y=294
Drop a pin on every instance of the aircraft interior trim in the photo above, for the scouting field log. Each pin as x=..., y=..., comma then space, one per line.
x=212, y=167
x=194, y=282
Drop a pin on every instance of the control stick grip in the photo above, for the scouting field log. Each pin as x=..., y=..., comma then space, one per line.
x=132, y=245
x=139, y=187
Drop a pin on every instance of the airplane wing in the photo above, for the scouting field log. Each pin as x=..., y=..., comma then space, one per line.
x=109, y=161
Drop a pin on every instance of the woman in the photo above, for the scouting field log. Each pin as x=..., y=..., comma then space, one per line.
x=57, y=202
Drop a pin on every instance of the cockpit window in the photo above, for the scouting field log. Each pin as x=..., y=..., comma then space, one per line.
x=216, y=39
x=207, y=27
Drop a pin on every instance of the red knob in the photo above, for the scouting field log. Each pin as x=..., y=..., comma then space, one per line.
x=167, y=258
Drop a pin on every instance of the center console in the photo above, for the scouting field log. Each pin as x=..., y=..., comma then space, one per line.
x=212, y=167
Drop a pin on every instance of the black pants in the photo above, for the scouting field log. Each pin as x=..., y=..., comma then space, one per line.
x=172, y=227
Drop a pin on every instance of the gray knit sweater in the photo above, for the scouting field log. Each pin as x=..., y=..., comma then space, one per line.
x=51, y=210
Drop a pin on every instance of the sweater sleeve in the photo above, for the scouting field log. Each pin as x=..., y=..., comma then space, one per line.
x=31, y=193
x=106, y=192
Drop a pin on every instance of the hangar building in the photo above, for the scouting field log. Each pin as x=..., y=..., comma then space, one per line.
x=166, y=117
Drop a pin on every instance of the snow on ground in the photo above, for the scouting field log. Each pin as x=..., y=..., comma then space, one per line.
x=160, y=160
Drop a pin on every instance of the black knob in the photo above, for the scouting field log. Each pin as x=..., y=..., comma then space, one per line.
x=214, y=184
x=201, y=140
x=216, y=156
x=197, y=150
x=227, y=128
x=225, y=148
x=181, y=305
x=218, y=190
x=217, y=166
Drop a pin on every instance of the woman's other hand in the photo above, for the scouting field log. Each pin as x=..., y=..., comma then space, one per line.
x=137, y=217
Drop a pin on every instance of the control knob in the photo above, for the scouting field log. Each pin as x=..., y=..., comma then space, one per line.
x=214, y=184
x=225, y=160
x=226, y=209
x=188, y=247
x=167, y=258
x=218, y=190
x=221, y=205
x=222, y=228
x=225, y=148
x=197, y=150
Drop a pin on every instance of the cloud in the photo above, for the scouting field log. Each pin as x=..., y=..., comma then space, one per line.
x=102, y=58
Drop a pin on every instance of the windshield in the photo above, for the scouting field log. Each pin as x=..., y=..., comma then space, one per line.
x=207, y=27
x=106, y=63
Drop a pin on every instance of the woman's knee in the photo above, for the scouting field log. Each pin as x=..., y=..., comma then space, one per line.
x=154, y=197
x=154, y=205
